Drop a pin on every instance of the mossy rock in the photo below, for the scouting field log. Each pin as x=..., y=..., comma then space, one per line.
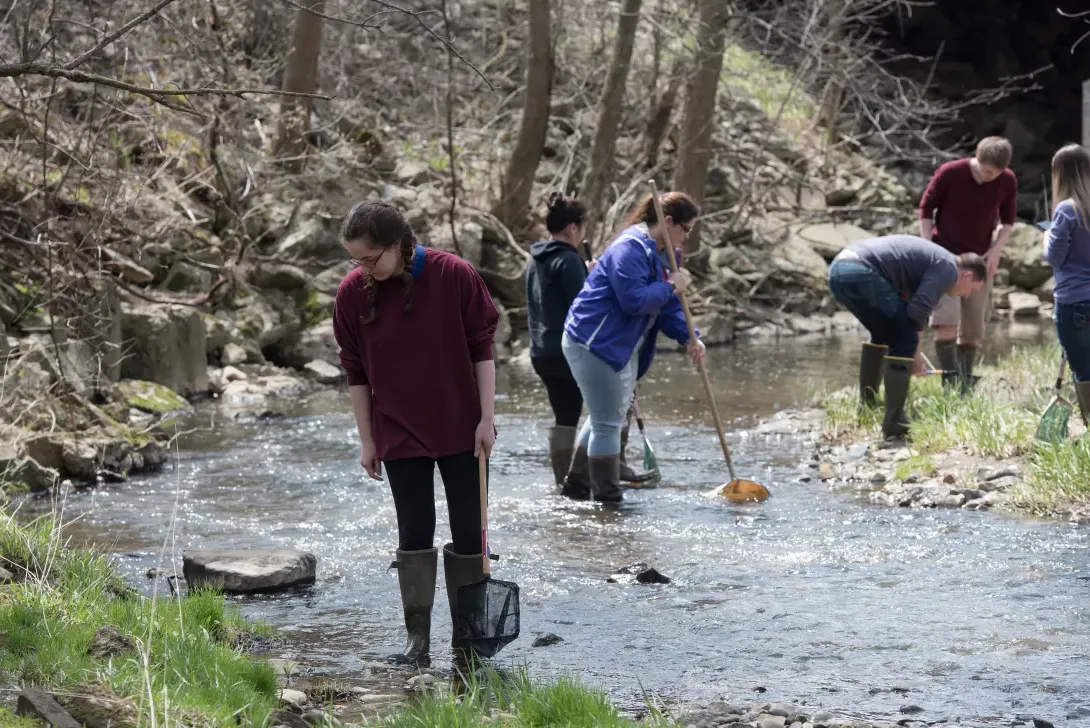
x=152, y=397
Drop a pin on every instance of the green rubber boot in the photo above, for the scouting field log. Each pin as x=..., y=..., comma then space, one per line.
x=871, y=363
x=898, y=379
x=966, y=359
x=459, y=570
x=416, y=577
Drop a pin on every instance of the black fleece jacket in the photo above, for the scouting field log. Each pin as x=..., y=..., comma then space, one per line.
x=553, y=279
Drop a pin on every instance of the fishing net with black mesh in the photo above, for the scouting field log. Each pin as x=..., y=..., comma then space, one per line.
x=488, y=615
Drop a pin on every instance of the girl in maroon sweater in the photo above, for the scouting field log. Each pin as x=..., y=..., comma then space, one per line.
x=415, y=329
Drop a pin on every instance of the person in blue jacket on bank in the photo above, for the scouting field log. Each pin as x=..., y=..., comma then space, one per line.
x=609, y=335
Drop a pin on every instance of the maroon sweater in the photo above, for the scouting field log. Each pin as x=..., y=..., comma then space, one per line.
x=419, y=363
x=966, y=209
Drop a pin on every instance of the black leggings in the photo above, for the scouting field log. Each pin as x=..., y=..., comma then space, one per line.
x=412, y=482
x=564, y=395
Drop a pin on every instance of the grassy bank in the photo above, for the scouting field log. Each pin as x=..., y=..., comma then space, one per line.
x=178, y=662
x=998, y=421
x=512, y=701
x=175, y=660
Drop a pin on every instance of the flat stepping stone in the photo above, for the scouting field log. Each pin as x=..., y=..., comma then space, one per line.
x=246, y=571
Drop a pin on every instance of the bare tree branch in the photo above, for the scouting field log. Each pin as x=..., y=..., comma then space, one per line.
x=111, y=37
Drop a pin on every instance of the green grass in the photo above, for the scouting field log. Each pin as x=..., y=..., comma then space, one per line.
x=998, y=421
x=773, y=87
x=11, y=720
x=512, y=701
x=184, y=664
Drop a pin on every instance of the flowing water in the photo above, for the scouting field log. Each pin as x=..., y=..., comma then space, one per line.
x=814, y=596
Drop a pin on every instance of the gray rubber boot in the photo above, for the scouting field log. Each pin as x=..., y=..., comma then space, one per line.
x=898, y=379
x=605, y=479
x=561, y=448
x=416, y=577
x=947, y=354
x=966, y=359
x=577, y=484
x=871, y=363
x=459, y=570
x=1082, y=390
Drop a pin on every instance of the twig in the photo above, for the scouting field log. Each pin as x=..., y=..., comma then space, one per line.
x=416, y=14
x=365, y=23
x=12, y=70
x=111, y=37
x=507, y=236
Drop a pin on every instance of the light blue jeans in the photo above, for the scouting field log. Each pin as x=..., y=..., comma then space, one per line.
x=608, y=395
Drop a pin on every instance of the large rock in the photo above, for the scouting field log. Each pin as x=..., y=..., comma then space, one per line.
x=330, y=279
x=279, y=276
x=165, y=344
x=24, y=470
x=317, y=342
x=243, y=572
x=272, y=320
x=255, y=392
x=1024, y=305
x=187, y=278
x=829, y=238
x=323, y=372
x=312, y=233
x=1024, y=259
x=152, y=398
x=797, y=256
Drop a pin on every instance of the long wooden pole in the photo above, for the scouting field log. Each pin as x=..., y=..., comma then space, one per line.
x=692, y=332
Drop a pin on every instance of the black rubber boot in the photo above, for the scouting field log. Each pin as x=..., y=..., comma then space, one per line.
x=605, y=479
x=871, y=362
x=898, y=379
x=966, y=359
x=561, y=447
x=628, y=473
x=577, y=484
x=459, y=570
x=947, y=354
x=1082, y=390
x=416, y=577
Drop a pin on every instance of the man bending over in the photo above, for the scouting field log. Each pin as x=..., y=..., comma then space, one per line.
x=892, y=284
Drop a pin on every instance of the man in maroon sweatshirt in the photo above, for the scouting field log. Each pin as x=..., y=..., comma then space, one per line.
x=959, y=211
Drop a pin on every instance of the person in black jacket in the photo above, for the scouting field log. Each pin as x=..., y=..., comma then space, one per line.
x=553, y=279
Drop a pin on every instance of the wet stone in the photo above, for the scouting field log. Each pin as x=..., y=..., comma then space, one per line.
x=286, y=719
x=293, y=698
x=783, y=710
x=771, y=721
x=911, y=709
x=547, y=640
x=821, y=718
x=1042, y=723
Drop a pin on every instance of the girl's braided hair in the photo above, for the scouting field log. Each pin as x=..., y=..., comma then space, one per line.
x=382, y=225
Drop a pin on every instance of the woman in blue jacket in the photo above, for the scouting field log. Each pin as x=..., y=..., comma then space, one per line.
x=610, y=332
x=1067, y=249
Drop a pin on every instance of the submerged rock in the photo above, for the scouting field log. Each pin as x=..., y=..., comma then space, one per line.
x=248, y=571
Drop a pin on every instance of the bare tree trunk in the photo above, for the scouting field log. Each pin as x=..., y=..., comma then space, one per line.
x=609, y=115
x=300, y=76
x=699, y=117
x=659, y=119
x=518, y=182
